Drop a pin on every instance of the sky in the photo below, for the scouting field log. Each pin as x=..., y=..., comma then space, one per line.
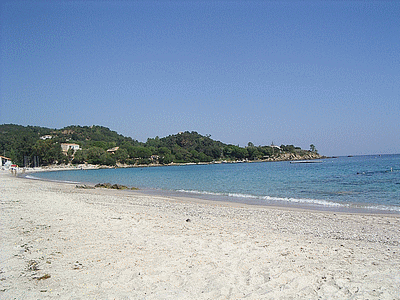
x=289, y=72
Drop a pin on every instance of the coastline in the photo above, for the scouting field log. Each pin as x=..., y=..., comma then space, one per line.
x=67, y=243
x=295, y=158
x=220, y=197
x=182, y=196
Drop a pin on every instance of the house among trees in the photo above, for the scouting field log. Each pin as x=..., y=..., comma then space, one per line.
x=112, y=150
x=65, y=147
x=5, y=161
x=45, y=137
x=274, y=146
x=34, y=146
x=154, y=158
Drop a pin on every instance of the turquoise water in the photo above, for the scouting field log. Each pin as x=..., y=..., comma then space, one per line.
x=344, y=183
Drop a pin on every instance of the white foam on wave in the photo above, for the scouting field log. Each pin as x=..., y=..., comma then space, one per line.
x=32, y=177
x=266, y=198
x=301, y=201
x=307, y=201
x=384, y=208
x=53, y=180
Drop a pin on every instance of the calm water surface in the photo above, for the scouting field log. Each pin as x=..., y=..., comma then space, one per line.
x=369, y=183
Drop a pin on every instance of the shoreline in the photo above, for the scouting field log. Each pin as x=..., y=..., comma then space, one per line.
x=333, y=207
x=67, y=243
x=178, y=196
x=290, y=158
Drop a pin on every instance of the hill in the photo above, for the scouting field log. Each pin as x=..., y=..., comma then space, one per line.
x=34, y=146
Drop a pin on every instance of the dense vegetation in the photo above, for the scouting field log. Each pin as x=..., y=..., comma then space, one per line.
x=34, y=146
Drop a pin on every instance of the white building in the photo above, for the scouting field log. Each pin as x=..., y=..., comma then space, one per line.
x=45, y=137
x=113, y=150
x=5, y=161
x=65, y=147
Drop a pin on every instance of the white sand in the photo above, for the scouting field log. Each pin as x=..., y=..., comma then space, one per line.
x=103, y=244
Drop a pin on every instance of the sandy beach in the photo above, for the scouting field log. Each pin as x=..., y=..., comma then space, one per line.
x=62, y=242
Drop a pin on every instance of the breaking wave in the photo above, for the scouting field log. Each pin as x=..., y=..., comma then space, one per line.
x=268, y=200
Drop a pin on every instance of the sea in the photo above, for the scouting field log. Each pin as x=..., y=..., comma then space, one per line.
x=350, y=184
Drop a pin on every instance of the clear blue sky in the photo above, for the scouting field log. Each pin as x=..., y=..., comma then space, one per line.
x=293, y=72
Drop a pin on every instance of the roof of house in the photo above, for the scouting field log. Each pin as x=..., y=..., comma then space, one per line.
x=112, y=149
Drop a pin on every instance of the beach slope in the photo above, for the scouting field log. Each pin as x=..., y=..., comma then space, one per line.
x=61, y=242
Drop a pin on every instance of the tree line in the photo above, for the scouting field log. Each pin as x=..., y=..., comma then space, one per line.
x=33, y=146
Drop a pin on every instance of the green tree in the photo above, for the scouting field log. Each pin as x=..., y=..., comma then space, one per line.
x=109, y=160
x=48, y=152
x=239, y=153
x=288, y=148
x=181, y=155
x=253, y=153
x=313, y=149
x=153, y=142
x=99, y=156
x=140, y=152
x=163, y=151
x=80, y=157
x=121, y=155
x=268, y=151
x=70, y=155
x=166, y=159
x=205, y=158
